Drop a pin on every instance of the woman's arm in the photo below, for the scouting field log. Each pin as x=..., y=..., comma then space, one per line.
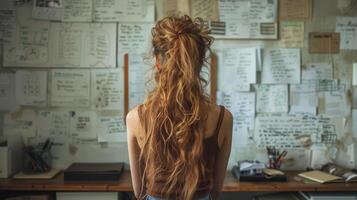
x=132, y=121
x=225, y=142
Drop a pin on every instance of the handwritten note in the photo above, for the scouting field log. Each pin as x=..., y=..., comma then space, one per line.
x=107, y=90
x=7, y=92
x=249, y=19
x=107, y=10
x=47, y=10
x=30, y=46
x=7, y=25
x=77, y=11
x=292, y=34
x=238, y=67
x=318, y=71
x=70, y=88
x=337, y=104
x=347, y=27
x=31, y=88
x=281, y=66
x=83, y=125
x=272, y=98
x=133, y=38
x=138, y=77
x=304, y=94
x=295, y=9
x=244, y=110
x=170, y=7
x=324, y=42
x=112, y=129
x=290, y=131
x=53, y=123
x=207, y=10
x=22, y=123
x=84, y=45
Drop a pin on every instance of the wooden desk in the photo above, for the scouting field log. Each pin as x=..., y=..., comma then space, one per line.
x=124, y=185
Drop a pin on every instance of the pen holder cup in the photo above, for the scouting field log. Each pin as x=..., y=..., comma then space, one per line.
x=37, y=161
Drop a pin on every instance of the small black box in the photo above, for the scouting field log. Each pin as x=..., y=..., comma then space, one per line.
x=93, y=172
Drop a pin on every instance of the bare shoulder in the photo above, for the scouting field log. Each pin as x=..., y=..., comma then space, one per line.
x=133, y=121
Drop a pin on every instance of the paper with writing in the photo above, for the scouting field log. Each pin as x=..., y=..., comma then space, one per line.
x=107, y=90
x=84, y=45
x=337, y=104
x=354, y=98
x=22, y=123
x=31, y=88
x=324, y=42
x=7, y=25
x=7, y=92
x=30, y=45
x=249, y=19
x=133, y=38
x=295, y=9
x=53, y=123
x=354, y=123
x=318, y=71
x=303, y=109
x=272, y=98
x=281, y=66
x=292, y=34
x=354, y=78
x=112, y=129
x=70, y=88
x=347, y=27
x=47, y=10
x=138, y=77
x=77, y=11
x=83, y=125
x=289, y=131
x=207, y=10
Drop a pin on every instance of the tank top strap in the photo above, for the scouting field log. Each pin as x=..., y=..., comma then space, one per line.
x=219, y=123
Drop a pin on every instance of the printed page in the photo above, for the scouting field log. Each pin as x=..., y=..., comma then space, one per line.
x=30, y=45
x=112, y=129
x=281, y=66
x=272, y=98
x=48, y=10
x=347, y=27
x=7, y=92
x=108, y=90
x=84, y=45
x=31, y=88
x=292, y=34
x=70, y=88
x=77, y=10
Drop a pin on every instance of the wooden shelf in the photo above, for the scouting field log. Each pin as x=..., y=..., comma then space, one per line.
x=124, y=185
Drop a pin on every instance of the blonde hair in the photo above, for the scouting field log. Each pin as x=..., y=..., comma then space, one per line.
x=171, y=114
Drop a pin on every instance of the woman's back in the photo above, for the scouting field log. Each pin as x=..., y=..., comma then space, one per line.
x=178, y=140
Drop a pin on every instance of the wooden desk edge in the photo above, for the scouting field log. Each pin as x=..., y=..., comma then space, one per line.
x=124, y=185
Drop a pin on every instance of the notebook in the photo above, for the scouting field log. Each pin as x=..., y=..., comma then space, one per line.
x=321, y=177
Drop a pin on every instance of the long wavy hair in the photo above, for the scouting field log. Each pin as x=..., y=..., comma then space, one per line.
x=171, y=114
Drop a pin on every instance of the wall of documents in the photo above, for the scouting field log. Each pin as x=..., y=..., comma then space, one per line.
x=287, y=70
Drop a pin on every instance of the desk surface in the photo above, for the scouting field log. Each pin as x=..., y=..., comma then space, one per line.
x=124, y=184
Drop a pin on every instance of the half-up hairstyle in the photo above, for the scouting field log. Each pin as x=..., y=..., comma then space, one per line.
x=173, y=142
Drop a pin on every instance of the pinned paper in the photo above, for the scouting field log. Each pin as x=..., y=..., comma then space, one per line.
x=295, y=9
x=324, y=42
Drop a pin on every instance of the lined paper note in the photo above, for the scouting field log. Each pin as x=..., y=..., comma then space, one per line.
x=31, y=88
x=281, y=66
x=291, y=34
x=70, y=88
x=107, y=90
x=272, y=98
x=347, y=27
x=112, y=129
